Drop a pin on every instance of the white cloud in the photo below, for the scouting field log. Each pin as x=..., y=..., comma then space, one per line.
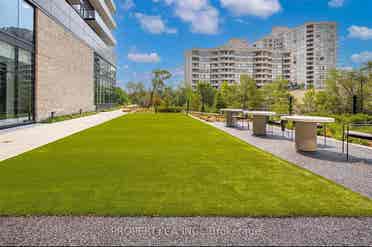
x=241, y=21
x=360, y=32
x=178, y=72
x=202, y=16
x=260, y=8
x=362, y=57
x=153, y=24
x=127, y=4
x=336, y=3
x=144, y=57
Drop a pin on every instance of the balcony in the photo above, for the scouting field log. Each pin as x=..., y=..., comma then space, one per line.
x=101, y=7
x=111, y=5
x=95, y=21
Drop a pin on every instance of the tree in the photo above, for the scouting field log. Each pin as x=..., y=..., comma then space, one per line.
x=136, y=93
x=206, y=92
x=183, y=94
x=276, y=96
x=309, y=101
x=366, y=87
x=168, y=97
x=195, y=101
x=230, y=94
x=341, y=87
x=219, y=101
x=188, y=92
x=244, y=90
x=367, y=68
x=249, y=93
x=120, y=96
x=159, y=76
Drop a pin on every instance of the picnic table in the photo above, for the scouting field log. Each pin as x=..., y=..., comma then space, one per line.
x=260, y=119
x=306, y=131
x=229, y=116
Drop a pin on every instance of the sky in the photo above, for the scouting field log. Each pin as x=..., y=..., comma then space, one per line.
x=154, y=34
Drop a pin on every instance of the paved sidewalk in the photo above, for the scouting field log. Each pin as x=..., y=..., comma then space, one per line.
x=328, y=161
x=18, y=140
x=144, y=231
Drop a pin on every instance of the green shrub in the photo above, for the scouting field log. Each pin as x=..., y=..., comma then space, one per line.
x=68, y=117
x=170, y=109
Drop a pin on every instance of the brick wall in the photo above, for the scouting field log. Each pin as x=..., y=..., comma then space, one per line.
x=64, y=73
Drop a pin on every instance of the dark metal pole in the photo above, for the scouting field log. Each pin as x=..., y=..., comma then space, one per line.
x=290, y=105
x=355, y=104
x=361, y=95
x=347, y=141
x=343, y=137
x=325, y=134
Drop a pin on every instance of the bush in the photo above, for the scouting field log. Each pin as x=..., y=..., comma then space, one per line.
x=68, y=117
x=170, y=109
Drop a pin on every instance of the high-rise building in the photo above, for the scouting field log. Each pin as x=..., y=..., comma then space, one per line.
x=56, y=57
x=302, y=55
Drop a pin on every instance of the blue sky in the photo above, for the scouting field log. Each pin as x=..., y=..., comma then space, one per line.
x=154, y=34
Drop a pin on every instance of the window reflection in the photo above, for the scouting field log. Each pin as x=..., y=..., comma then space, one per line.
x=24, y=85
x=105, y=79
x=17, y=19
x=9, y=14
x=16, y=92
x=7, y=85
x=26, y=21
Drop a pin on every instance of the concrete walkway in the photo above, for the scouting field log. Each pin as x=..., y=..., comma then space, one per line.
x=145, y=231
x=18, y=140
x=328, y=161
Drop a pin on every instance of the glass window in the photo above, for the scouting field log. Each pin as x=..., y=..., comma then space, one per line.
x=17, y=18
x=26, y=21
x=25, y=85
x=9, y=14
x=7, y=84
x=105, y=80
x=16, y=85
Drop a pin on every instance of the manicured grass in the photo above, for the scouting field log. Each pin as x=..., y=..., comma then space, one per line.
x=168, y=165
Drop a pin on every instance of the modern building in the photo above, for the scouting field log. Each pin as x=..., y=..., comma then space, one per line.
x=302, y=55
x=57, y=57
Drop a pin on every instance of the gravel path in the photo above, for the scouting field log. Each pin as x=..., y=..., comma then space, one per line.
x=328, y=161
x=18, y=140
x=184, y=231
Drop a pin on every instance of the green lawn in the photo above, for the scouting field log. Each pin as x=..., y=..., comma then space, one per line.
x=168, y=165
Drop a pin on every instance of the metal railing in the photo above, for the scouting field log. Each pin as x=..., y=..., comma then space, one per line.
x=348, y=130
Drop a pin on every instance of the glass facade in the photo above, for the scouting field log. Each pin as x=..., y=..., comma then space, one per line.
x=16, y=63
x=105, y=81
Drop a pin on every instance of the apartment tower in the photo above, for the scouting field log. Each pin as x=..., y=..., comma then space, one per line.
x=302, y=55
x=56, y=57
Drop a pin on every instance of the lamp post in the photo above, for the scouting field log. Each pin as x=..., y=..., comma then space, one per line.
x=355, y=98
x=290, y=105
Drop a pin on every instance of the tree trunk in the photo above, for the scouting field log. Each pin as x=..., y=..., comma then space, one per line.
x=203, y=107
x=151, y=98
